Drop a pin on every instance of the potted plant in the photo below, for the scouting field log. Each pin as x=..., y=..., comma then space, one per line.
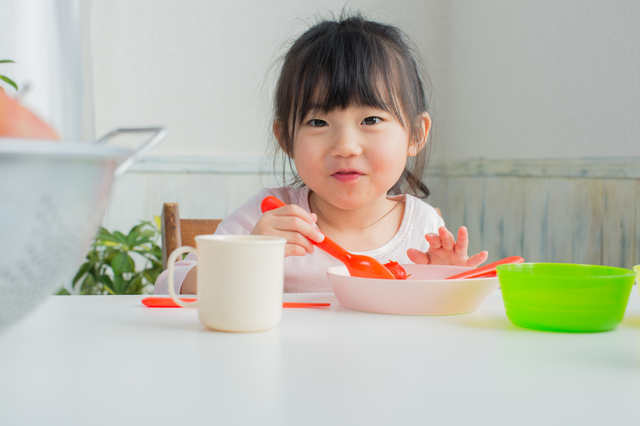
x=111, y=268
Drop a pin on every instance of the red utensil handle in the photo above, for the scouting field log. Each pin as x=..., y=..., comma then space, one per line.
x=304, y=305
x=163, y=302
x=271, y=203
x=486, y=270
x=167, y=302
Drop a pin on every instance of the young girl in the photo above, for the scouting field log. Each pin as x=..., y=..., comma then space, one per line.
x=351, y=114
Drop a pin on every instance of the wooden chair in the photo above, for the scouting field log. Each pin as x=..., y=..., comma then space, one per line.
x=178, y=232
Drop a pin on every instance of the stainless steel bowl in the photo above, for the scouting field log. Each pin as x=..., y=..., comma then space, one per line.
x=52, y=199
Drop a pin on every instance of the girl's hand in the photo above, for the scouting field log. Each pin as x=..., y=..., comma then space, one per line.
x=292, y=223
x=444, y=250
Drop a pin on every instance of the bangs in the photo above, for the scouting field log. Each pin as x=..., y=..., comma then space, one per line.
x=343, y=69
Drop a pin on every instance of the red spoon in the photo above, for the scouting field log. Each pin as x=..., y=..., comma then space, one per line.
x=486, y=271
x=358, y=265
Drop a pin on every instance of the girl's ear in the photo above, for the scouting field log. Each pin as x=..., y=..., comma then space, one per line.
x=277, y=132
x=415, y=146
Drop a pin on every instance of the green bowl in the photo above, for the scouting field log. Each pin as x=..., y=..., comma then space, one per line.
x=565, y=297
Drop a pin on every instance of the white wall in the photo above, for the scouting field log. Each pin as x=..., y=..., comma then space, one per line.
x=543, y=79
x=200, y=67
x=512, y=79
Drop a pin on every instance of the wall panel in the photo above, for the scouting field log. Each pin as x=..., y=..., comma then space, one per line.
x=536, y=220
x=560, y=217
x=588, y=208
x=543, y=210
x=618, y=222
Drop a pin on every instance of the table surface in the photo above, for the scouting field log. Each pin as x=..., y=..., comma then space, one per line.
x=96, y=360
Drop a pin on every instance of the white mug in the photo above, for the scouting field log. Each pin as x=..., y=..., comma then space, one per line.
x=240, y=281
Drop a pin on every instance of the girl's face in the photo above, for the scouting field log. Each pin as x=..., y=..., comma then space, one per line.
x=352, y=157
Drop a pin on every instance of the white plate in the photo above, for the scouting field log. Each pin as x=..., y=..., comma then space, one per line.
x=425, y=292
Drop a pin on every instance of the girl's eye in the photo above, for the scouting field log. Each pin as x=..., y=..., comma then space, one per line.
x=317, y=123
x=371, y=120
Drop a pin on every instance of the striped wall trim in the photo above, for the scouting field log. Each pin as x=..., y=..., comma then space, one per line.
x=620, y=168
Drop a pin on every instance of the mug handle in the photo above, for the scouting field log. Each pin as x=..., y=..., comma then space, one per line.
x=170, y=263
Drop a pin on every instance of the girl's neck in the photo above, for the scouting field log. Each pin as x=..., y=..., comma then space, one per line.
x=359, y=230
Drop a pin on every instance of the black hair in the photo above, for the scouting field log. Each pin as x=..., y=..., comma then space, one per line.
x=353, y=61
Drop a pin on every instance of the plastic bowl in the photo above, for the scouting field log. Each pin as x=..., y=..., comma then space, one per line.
x=565, y=297
x=425, y=292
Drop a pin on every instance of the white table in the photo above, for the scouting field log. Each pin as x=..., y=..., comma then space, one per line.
x=103, y=360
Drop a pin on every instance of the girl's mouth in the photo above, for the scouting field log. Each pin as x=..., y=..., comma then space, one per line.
x=347, y=175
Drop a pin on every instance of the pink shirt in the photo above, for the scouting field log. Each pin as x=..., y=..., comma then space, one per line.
x=305, y=274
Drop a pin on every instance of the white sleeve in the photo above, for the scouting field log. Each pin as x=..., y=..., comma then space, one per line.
x=181, y=269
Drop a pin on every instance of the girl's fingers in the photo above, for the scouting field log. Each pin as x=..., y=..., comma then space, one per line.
x=462, y=245
x=297, y=224
x=446, y=237
x=294, y=224
x=433, y=240
x=297, y=244
x=478, y=259
x=416, y=256
x=294, y=250
x=293, y=210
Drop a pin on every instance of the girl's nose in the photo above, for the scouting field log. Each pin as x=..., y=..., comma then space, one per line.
x=346, y=144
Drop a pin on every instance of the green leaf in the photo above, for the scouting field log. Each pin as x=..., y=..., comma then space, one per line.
x=93, y=256
x=136, y=228
x=103, y=231
x=63, y=292
x=120, y=237
x=141, y=242
x=105, y=235
x=152, y=274
x=143, y=251
x=133, y=238
x=157, y=252
x=83, y=270
x=88, y=285
x=118, y=284
x=134, y=286
x=2, y=61
x=8, y=80
x=122, y=263
x=109, y=255
x=106, y=282
x=107, y=244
